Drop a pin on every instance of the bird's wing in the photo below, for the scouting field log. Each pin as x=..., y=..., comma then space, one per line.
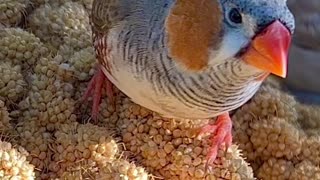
x=105, y=15
x=307, y=15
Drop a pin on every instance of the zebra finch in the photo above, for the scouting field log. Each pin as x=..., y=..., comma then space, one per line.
x=189, y=59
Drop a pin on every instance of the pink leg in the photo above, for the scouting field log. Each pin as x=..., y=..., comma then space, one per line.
x=221, y=133
x=95, y=89
x=109, y=91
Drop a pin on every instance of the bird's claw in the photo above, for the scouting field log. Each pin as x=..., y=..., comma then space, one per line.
x=95, y=89
x=221, y=134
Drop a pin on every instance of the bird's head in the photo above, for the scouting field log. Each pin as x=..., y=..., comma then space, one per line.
x=202, y=33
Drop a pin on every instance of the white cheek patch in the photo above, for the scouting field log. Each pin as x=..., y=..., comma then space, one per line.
x=231, y=45
x=234, y=41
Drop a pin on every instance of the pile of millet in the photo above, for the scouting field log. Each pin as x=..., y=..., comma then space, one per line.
x=278, y=135
x=47, y=61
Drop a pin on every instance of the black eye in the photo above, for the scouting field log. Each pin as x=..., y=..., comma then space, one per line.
x=235, y=16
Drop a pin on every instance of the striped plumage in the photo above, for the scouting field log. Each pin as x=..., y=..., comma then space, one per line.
x=136, y=47
x=141, y=65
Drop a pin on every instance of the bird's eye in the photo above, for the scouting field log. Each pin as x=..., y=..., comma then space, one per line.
x=235, y=16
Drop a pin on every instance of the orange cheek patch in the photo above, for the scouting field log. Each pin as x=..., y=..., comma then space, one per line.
x=192, y=26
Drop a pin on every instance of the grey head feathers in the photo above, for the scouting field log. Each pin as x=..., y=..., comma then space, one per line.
x=264, y=11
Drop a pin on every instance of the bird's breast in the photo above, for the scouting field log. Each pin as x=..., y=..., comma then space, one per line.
x=148, y=76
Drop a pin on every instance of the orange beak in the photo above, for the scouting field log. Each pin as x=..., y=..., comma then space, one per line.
x=269, y=50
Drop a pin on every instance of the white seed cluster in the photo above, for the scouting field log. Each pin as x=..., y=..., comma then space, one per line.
x=12, y=12
x=259, y=124
x=54, y=22
x=169, y=148
x=77, y=145
x=86, y=3
x=311, y=149
x=14, y=164
x=285, y=169
x=305, y=170
x=108, y=113
x=5, y=126
x=122, y=169
x=309, y=118
x=276, y=169
x=12, y=84
x=49, y=101
x=272, y=137
x=82, y=64
x=270, y=102
x=275, y=129
x=75, y=42
x=20, y=47
x=36, y=141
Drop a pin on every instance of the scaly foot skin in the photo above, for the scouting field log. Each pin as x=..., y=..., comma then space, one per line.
x=221, y=133
x=95, y=89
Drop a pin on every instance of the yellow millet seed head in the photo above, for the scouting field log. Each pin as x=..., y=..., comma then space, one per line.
x=14, y=164
x=5, y=126
x=49, y=101
x=85, y=143
x=86, y=3
x=79, y=173
x=108, y=114
x=59, y=111
x=311, y=149
x=36, y=140
x=273, y=137
x=269, y=110
x=77, y=40
x=80, y=66
x=44, y=65
x=309, y=118
x=273, y=82
x=37, y=3
x=122, y=169
x=83, y=64
x=276, y=169
x=12, y=11
x=12, y=84
x=186, y=165
x=169, y=148
x=268, y=102
x=20, y=47
x=305, y=170
x=52, y=23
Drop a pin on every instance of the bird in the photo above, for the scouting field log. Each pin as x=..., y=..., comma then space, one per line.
x=305, y=52
x=189, y=59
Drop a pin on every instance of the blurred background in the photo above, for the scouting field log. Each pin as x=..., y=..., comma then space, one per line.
x=304, y=61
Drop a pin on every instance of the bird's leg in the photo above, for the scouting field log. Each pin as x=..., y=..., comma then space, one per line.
x=221, y=133
x=95, y=89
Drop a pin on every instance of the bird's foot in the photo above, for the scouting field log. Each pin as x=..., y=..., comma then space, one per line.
x=95, y=89
x=221, y=133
